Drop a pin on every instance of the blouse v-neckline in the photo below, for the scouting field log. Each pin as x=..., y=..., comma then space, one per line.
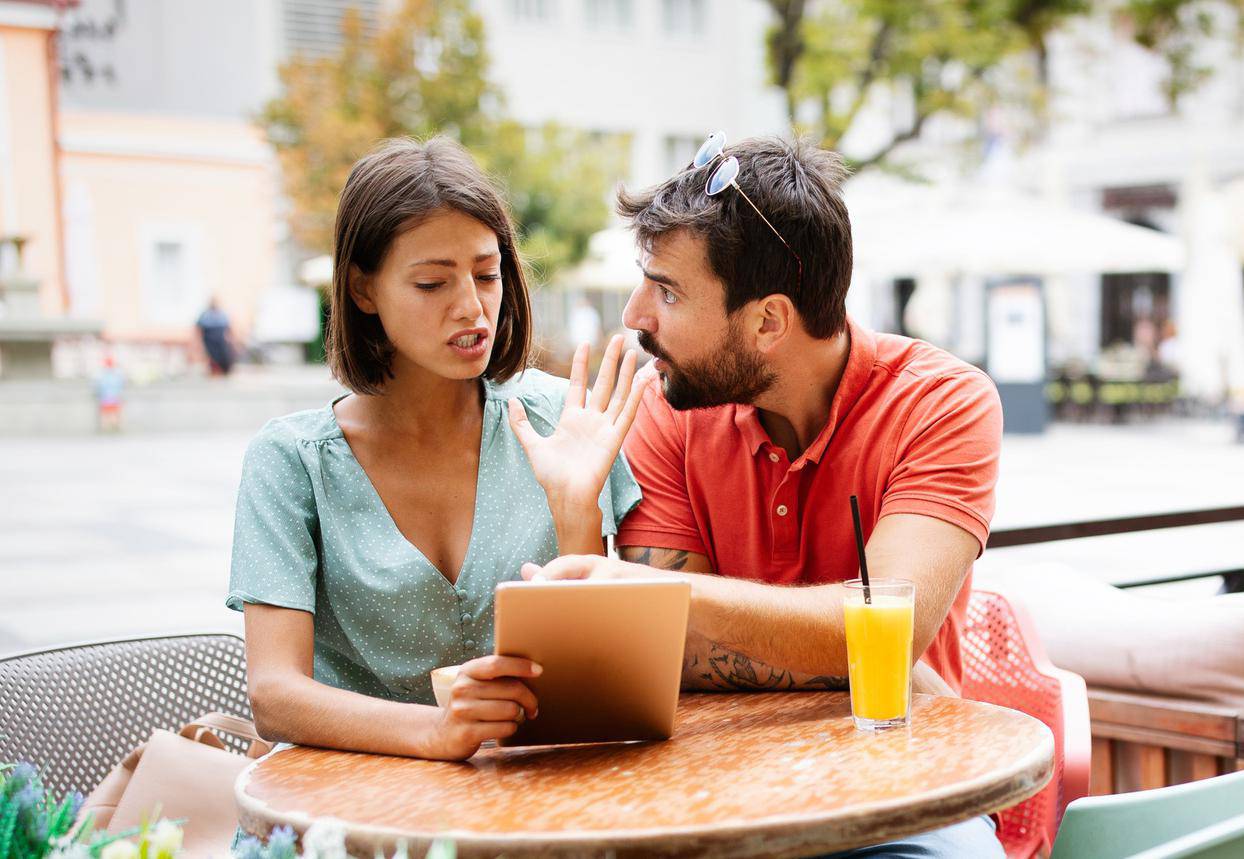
x=456, y=582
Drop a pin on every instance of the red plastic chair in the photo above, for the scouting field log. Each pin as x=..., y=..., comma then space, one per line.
x=1004, y=663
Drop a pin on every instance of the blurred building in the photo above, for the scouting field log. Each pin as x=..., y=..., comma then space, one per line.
x=658, y=74
x=156, y=192
x=29, y=157
x=1113, y=146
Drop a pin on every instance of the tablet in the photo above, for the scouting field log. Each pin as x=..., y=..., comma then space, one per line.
x=611, y=652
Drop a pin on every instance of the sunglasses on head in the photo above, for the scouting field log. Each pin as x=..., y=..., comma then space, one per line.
x=725, y=176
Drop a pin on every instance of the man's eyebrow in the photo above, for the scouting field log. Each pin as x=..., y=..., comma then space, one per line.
x=657, y=278
x=448, y=263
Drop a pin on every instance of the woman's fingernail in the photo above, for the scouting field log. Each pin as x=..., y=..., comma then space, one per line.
x=537, y=669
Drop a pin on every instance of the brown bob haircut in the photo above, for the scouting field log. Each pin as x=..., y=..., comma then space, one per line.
x=798, y=187
x=389, y=191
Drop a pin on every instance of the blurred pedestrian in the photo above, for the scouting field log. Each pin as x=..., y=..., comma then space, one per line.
x=109, y=388
x=217, y=338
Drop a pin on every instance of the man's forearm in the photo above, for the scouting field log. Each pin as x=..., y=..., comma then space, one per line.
x=720, y=653
x=712, y=667
x=750, y=635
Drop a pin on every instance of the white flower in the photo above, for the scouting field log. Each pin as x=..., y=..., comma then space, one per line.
x=122, y=849
x=324, y=839
x=70, y=850
x=165, y=839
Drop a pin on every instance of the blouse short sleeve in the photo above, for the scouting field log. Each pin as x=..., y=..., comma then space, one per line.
x=275, y=559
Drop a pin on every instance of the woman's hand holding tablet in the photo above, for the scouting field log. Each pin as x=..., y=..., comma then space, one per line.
x=488, y=700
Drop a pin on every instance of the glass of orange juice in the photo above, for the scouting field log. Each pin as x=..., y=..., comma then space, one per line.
x=879, y=622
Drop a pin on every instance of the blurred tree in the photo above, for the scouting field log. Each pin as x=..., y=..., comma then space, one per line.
x=1173, y=29
x=954, y=57
x=423, y=72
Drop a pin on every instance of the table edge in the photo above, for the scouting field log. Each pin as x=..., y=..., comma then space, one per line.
x=883, y=821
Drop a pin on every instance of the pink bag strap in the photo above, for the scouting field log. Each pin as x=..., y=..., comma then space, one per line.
x=200, y=730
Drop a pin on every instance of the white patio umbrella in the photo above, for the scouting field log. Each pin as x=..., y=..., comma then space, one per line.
x=609, y=265
x=317, y=271
x=906, y=230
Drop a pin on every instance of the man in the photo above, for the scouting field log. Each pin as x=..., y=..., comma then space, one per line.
x=774, y=408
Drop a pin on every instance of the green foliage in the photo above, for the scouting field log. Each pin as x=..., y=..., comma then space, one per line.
x=424, y=71
x=32, y=824
x=1173, y=29
x=953, y=57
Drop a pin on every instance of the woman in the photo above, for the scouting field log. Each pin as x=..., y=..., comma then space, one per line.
x=371, y=533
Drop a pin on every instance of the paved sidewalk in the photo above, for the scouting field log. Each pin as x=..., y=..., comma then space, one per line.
x=105, y=536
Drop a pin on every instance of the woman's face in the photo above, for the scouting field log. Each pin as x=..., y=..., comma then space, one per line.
x=438, y=295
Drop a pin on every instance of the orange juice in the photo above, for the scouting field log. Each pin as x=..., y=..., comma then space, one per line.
x=879, y=638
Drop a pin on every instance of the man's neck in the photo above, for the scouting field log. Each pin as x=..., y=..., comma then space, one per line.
x=796, y=408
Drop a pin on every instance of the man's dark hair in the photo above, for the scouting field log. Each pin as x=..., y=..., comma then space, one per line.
x=798, y=187
x=388, y=192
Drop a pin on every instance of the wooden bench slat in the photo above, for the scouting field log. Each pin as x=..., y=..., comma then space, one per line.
x=1168, y=739
x=1174, y=716
x=1101, y=775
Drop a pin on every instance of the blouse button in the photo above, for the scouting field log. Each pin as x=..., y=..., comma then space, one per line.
x=469, y=643
x=781, y=511
x=465, y=618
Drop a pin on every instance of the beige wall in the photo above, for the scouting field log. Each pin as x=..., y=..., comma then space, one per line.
x=29, y=203
x=162, y=213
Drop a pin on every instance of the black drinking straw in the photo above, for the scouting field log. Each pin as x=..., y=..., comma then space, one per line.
x=859, y=547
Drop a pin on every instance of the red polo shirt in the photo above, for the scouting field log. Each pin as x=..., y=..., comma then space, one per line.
x=911, y=429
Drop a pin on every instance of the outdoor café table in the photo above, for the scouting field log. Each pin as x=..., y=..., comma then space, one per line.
x=773, y=774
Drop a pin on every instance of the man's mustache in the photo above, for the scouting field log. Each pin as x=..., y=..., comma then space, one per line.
x=650, y=346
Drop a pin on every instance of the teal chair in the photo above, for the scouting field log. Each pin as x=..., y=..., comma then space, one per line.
x=1203, y=819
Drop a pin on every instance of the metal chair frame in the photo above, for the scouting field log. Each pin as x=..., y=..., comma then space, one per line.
x=76, y=710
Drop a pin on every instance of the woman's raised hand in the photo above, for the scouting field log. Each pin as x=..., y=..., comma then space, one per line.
x=574, y=461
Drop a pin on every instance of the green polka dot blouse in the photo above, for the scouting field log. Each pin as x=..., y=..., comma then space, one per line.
x=312, y=534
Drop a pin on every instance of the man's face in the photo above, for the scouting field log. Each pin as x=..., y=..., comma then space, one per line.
x=704, y=357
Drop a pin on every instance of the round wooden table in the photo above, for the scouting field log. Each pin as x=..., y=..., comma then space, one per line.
x=780, y=774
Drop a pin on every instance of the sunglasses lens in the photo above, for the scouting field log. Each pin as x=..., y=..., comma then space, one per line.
x=711, y=149
x=723, y=176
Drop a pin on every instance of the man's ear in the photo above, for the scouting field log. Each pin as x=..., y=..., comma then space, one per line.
x=360, y=286
x=775, y=317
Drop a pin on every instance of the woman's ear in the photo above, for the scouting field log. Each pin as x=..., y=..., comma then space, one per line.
x=776, y=316
x=360, y=286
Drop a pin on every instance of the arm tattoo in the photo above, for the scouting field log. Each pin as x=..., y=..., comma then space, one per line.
x=726, y=670
x=709, y=666
x=662, y=559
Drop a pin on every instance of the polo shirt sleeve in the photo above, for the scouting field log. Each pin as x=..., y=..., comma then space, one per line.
x=946, y=462
x=656, y=452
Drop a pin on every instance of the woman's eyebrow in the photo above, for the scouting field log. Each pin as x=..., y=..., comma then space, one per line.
x=448, y=263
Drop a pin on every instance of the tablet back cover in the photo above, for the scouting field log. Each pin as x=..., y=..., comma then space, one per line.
x=611, y=651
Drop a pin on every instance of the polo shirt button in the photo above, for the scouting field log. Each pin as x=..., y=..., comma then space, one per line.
x=469, y=643
x=773, y=457
x=781, y=511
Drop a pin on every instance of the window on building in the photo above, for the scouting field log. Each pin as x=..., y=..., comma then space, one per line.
x=312, y=28
x=609, y=15
x=171, y=286
x=685, y=17
x=678, y=150
x=533, y=11
x=1135, y=310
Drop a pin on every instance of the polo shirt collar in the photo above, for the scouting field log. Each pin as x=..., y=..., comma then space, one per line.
x=860, y=360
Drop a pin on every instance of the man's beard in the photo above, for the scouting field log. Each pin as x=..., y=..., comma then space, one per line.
x=732, y=375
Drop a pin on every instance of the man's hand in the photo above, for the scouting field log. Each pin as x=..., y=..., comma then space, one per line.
x=586, y=567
